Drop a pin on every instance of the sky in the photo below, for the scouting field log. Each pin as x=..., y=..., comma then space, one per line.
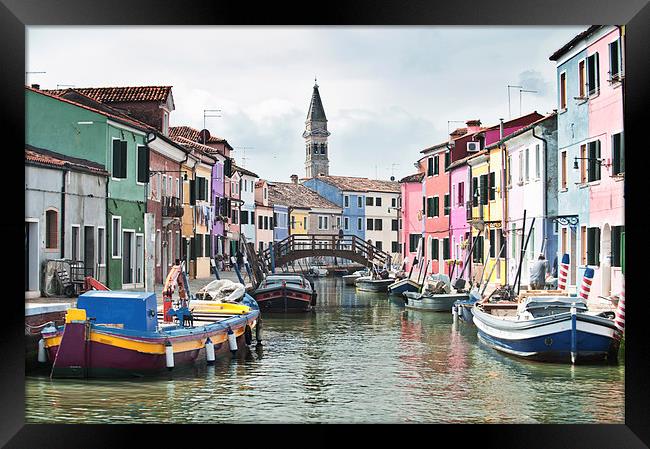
x=388, y=92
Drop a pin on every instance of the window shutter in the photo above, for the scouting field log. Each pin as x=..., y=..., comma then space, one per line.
x=446, y=211
x=475, y=192
x=192, y=192
x=143, y=164
x=445, y=248
x=123, y=157
x=435, y=206
x=430, y=166
x=492, y=242
x=484, y=189
x=493, y=187
x=435, y=165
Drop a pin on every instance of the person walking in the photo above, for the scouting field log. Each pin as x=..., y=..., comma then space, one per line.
x=538, y=273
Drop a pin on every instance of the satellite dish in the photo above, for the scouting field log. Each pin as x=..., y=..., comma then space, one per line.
x=204, y=136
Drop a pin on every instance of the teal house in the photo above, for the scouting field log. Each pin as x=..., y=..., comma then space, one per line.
x=72, y=124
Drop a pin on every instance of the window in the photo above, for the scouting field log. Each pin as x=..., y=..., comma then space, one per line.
x=116, y=250
x=583, y=245
x=583, y=164
x=338, y=222
x=429, y=207
x=413, y=242
x=563, y=101
x=475, y=192
x=430, y=166
x=593, y=79
x=582, y=79
x=266, y=222
x=537, y=165
x=615, y=60
x=394, y=247
x=477, y=256
x=564, y=180
x=346, y=223
x=393, y=202
x=484, y=189
x=51, y=229
x=447, y=160
x=346, y=201
x=493, y=242
x=593, y=246
x=617, y=231
x=143, y=164
x=199, y=246
x=436, y=205
x=293, y=222
x=369, y=200
x=370, y=224
x=394, y=224
x=202, y=186
x=208, y=245
x=509, y=171
x=461, y=194
x=445, y=249
x=436, y=170
x=378, y=201
x=75, y=253
x=260, y=222
x=435, y=249
x=359, y=224
x=618, y=154
x=101, y=246
x=493, y=185
x=527, y=164
x=119, y=159
x=304, y=223
x=244, y=217
x=379, y=245
x=446, y=209
x=378, y=224
x=359, y=202
x=322, y=222
x=275, y=220
x=594, y=165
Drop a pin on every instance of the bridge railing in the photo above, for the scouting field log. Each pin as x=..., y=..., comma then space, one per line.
x=326, y=244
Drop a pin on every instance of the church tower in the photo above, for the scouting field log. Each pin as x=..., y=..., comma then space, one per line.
x=315, y=135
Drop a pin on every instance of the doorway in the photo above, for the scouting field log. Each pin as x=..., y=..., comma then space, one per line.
x=127, y=259
x=139, y=258
x=89, y=251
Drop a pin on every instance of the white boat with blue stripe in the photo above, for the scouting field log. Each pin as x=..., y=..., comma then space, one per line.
x=553, y=329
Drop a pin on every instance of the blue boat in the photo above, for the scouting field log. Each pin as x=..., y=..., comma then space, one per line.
x=403, y=285
x=549, y=329
x=464, y=307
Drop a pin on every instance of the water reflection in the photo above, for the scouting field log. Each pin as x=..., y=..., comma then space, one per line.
x=359, y=357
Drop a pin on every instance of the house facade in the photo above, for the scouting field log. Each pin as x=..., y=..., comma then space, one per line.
x=411, y=216
x=264, y=214
x=247, y=180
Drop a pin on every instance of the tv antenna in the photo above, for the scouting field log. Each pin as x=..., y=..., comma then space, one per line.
x=452, y=121
x=524, y=90
x=243, y=158
x=509, y=87
x=210, y=113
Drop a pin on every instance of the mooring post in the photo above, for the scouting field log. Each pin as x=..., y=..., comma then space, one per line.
x=271, y=249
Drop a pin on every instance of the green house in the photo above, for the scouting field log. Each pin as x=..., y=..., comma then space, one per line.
x=86, y=129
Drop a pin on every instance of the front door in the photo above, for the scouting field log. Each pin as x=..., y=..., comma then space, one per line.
x=139, y=258
x=89, y=251
x=127, y=260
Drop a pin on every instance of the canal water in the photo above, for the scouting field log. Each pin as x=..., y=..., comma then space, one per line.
x=358, y=358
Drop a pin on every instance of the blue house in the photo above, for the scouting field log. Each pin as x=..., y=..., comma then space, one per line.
x=572, y=137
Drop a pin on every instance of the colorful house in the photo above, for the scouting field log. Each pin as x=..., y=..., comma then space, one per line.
x=247, y=181
x=97, y=133
x=411, y=216
x=264, y=231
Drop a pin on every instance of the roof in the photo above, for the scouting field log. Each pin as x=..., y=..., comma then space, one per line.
x=417, y=177
x=203, y=151
x=40, y=156
x=435, y=147
x=460, y=162
x=297, y=195
x=521, y=131
x=354, y=184
x=123, y=94
x=192, y=134
x=120, y=118
x=243, y=171
x=572, y=43
x=523, y=120
x=316, y=111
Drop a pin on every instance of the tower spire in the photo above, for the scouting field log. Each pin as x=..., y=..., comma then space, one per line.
x=315, y=135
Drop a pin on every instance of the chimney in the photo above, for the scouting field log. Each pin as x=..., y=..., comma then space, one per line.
x=36, y=86
x=294, y=179
x=473, y=126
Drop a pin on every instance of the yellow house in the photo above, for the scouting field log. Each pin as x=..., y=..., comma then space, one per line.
x=298, y=221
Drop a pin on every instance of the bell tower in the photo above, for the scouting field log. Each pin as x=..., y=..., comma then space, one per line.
x=315, y=135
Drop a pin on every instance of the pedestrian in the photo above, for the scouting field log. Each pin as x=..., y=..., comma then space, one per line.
x=538, y=273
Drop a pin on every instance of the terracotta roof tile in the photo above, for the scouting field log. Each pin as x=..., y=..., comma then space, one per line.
x=417, y=177
x=243, y=171
x=297, y=195
x=123, y=94
x=354, y=184
x=192, y=134
x=41, y=156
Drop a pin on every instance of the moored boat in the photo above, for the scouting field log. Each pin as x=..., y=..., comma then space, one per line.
x=117, y=334
x=285, y=293
x=349, y=279
x=403, y=285
x=368, y=284
x=553, y=329
x=317, y=271
x=441, y=302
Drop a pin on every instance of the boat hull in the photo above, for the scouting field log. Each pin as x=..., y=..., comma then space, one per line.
x=80, y=350
x=377, y=286
x=404, y=285
x=350, y=279
x=433, y=303
x=549, y=338
x=285, y=299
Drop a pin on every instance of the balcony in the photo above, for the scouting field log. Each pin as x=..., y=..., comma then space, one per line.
x=171, y=207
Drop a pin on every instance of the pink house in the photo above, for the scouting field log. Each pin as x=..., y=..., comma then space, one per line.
x=411, y=190
x=605, y=143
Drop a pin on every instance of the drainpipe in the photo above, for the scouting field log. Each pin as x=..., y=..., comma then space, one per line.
x=544, y=233
x=65, y=172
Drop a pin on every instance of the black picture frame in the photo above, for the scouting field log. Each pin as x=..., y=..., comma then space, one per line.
x=635, y=14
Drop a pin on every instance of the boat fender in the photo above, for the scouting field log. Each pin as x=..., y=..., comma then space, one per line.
x=232, y=341
x=248, y=335
x=169, y=355
x=258, y=331
x=42, y=355
x=209, y=351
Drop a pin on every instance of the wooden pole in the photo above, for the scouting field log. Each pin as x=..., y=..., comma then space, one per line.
x=503, y=245
x=523, y=252
x=523, y=234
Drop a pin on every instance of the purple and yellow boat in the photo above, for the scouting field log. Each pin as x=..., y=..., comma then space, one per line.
x=118, y=334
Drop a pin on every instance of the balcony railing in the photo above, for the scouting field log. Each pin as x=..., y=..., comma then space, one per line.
x=171, y=207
